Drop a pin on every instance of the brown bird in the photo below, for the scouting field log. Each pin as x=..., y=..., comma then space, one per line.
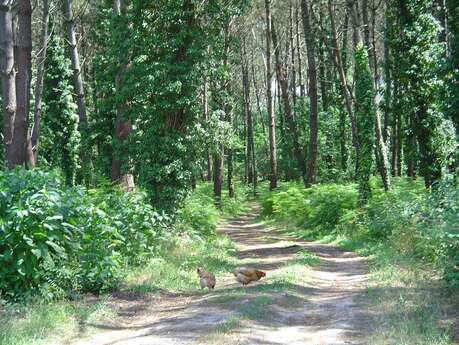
x=246, y=275
x=206, y=279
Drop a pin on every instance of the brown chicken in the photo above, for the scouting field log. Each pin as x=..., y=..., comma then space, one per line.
x=246, y=275
x=206, y=279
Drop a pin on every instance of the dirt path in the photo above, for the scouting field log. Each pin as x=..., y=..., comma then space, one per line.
x=295, y=304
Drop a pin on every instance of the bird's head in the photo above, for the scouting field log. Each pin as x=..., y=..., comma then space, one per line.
x=261, y=274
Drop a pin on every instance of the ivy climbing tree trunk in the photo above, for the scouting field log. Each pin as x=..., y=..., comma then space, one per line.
x=123, y=126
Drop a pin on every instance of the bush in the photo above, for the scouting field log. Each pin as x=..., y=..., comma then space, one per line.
x=407, y=219
x=55, y=238
x=318, y=209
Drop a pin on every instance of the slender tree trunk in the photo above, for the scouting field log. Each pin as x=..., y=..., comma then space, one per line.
x=78, y=80
x=312, y=74
x=230, y=174
x=23, y=60
x=205, y=104
x=292, y=128
x=298, y=49
x=218, y=174
x=8, y=75
x=272, y=121
x=381, y=151
x=342, y=76
x=35, y=137
x=260, y=113
x=388, y=86
x=248, y=116
x=292, y=53
x=123, y=126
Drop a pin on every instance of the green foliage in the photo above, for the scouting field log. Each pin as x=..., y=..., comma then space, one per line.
x=407, y=219
x=420, y=54
x=60, y=138
x=365, y=118
x=56, y=238
x=318, y=209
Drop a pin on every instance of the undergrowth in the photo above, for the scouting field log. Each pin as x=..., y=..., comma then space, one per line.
x=411, y=237
x=145, y=250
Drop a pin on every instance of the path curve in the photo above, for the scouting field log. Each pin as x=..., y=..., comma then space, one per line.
x=317, y=305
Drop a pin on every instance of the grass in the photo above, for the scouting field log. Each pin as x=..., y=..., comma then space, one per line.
x=175, y=271
x=36, y=323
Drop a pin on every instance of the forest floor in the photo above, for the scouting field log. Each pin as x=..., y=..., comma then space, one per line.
x=313, y=294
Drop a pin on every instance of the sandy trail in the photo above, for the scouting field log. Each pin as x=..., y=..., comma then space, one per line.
x=322, y=308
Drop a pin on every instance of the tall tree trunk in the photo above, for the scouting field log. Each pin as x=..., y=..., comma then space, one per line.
x=230, y=174
x=8, y=75
x=292, y=57
x=292, y=128
x=272, y=121
x=78, y=80
x=345, y=88
x=298, y=48
x=248, y=114
x=123, y=125
x=205, y=104
x=218, y=174
x=312, y=74
x=260, y=113
x=35, y=137
x=381, y=151
x=23, y=60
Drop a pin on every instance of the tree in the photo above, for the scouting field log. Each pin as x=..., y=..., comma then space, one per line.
x=8, y=79
x=365, y=118
x=60, y=135
x=420, y=52
x=269, y=99
x=35, y=136
x=312, y=73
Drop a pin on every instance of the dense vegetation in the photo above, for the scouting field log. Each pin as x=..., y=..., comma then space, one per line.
x=130, y=127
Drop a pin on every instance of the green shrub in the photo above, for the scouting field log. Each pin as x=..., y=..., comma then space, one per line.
x=317, y=209
x=55, y=238
x=408, y=219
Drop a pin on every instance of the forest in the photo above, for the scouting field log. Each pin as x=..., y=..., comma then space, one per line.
x=145, y=141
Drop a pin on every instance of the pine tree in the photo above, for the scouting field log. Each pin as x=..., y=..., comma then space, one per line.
x=60, y=136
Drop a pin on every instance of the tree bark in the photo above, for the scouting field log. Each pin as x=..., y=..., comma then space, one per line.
x=218, y=174
x=35, y=137
x=298, y=47
x=230, y=174
x=292, y=57
x=8, y=75
x=312, y=74
x=272, y=122
x=23, y=60
x=123, y=126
